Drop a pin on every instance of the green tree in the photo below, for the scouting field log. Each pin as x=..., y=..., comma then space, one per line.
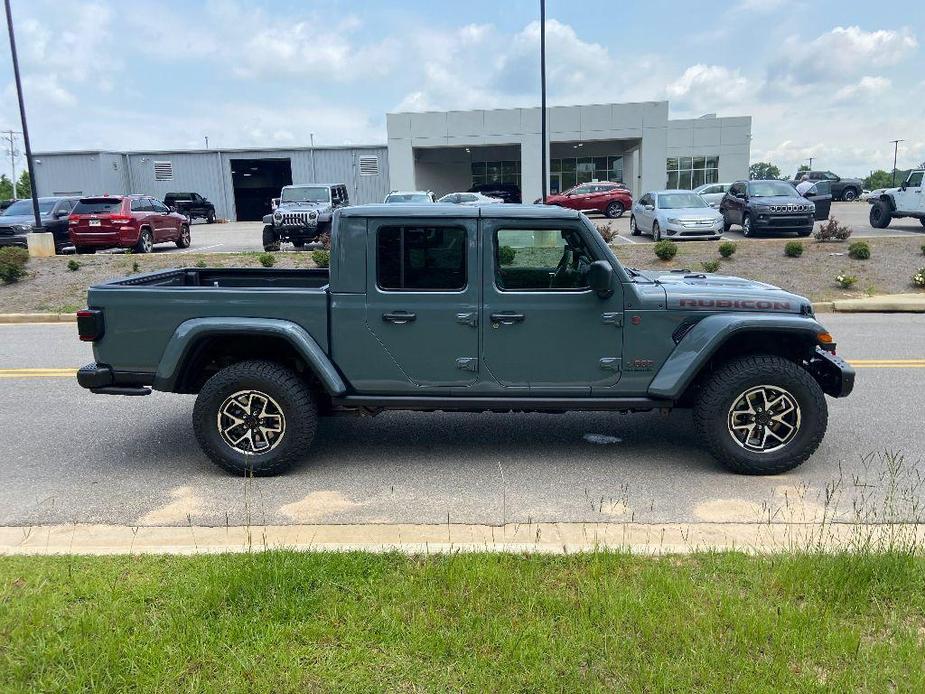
x=6, y=188
x=763, y=170
x=24, y=185
x=878, y=179
x=803, y=167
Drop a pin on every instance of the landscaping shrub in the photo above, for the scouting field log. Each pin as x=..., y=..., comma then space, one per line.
x=605, y=232
x=666, y=250
x=325, y=241
x=727, y=248
x=322, y=258
x=13, y=264
x=73, y=265
x=136, y=267
x=859, y=250
x=846, y=281
x=923, y=249
x=710, y=265
x=918, y=279
x=267, y=259
x=831, y=230
x=793, y=249
x=200, y=263
x=506, y=255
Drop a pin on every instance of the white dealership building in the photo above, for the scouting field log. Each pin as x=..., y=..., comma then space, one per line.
x=443, y=151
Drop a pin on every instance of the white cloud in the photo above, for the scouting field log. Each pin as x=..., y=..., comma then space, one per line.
x=866, y=87
x=706, y=87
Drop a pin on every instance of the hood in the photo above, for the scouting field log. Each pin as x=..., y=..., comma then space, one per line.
x=295, y=206
x=15, y=220
x=692, y=213
x=695, y=291
x=778, y=200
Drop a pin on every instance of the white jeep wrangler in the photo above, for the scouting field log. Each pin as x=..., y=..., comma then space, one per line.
x=906, y=201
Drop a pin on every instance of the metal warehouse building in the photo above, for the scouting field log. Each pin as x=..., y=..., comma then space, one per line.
x=443, y=151
x=239, y=182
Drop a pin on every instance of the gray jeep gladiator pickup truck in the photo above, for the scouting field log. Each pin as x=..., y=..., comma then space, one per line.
x=500, y=308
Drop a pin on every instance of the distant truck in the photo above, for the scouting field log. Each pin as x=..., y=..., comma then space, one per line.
x=847, y=189
x=193, y=205
x=498, y=308
x=303, y=214
x=908, y=200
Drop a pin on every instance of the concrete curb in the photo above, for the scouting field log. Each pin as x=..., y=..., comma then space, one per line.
x=548, y=538
x=8, y=318
x=890, y=303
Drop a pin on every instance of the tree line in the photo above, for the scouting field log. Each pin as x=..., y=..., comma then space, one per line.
x=763, y=170
x=23, y=187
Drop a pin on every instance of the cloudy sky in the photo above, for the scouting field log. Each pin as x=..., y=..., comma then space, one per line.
x=832, y=80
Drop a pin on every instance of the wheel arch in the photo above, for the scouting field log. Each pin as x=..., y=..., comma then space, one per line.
x=720, y=337
x=201, y=346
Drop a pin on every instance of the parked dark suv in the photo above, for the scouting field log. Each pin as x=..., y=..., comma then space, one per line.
x=847, y=189
x=508, y=192
x=193, y=205
x=17, y=220
x=766, y=206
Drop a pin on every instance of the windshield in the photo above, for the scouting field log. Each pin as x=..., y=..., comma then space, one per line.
x=677, y=201
x=767, y=189
x=408, y=197
x=306, y=194
x=24, y=207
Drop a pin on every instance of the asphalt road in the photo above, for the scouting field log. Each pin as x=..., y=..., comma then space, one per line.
x=72, y=456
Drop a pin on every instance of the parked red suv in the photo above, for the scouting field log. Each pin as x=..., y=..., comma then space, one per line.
x=125, y=221
x=610, y=199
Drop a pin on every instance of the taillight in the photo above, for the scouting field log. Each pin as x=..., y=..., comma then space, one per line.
x=73, y=219
x=120, y=219
x=90, y=324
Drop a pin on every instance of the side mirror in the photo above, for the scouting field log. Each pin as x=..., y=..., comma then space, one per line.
x=61, y=214
x=600, y=278
x=648, y=208
x=172, y=208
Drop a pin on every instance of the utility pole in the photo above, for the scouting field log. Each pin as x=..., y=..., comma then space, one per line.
x=314, y=175
x=207, y=141
x=543, y=95
x=22, y=115
x=8, y=135
x=811, y=163
x=895, y=152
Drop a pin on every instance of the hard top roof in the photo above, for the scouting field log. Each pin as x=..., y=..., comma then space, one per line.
x=450, y=210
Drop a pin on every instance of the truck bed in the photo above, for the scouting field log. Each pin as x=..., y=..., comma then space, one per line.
x=142, y=312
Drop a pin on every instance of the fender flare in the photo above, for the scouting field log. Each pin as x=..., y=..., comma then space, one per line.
x=191, y=331
x=708, y=335
x=268, y=219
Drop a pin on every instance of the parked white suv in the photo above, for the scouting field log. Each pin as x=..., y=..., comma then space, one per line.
x=893, y=203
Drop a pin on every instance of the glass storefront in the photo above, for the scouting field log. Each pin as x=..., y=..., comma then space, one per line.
x=496, y=172
x=689, y=172
x=569, y=172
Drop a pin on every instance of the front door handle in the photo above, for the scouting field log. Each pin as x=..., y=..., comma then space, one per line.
x=399, y=317
x=507, y=318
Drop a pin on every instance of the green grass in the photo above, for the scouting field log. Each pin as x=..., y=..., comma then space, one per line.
x=283, y=621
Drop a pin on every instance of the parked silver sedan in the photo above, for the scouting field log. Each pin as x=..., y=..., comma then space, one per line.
x=413, y=197
x=470, y=199
x=712, y=192
x=675, y=214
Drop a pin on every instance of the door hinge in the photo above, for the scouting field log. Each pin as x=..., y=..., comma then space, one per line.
x=467, y=363
x=614, y=319
x=470, y=319
x=611, y=363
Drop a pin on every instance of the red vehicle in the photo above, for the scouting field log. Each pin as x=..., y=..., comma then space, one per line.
x=125, y=221
x=610, y=199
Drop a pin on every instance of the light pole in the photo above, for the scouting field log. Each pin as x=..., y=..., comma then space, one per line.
x=9, y=136
x=811, y=163
x=895, y=152
x=314, y=175
x=543, y=95
x=22, y=116
x=207, y=141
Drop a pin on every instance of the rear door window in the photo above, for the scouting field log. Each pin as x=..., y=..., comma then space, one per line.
x=421, y=258
x=97, y=206
x=141, y=205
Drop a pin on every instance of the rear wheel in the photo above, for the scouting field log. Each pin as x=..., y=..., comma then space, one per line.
x=761, y=415
x=849, y=195
x=879, y=215
x=211, y=218
x=804, y=233
x=726, y=225
x=145, y=242
x=656, y=232
x=747, y=226
x=270, y=242
x=299, y=244
x=255, y=418
x=634, y=230
x=183, y=240
x=614, y=210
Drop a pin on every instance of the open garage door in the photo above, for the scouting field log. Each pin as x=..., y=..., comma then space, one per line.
x=256, y=182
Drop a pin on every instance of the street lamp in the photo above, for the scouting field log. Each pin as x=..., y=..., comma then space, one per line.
x=895, y=152
x=543, y=94
x=22, y=115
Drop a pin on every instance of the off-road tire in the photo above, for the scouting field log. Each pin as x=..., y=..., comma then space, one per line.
x=804, y=234
x=145, y=242
x=85, y=250
x=747, y=230
x=283, y=385
x=849, y=195
x=270, y=242
x=184, y=240
x=634, y=228
x=726, y=225
x=656, y=232
x=299, y=244
x=614, y=210
x=725, y=385
x=880, y=215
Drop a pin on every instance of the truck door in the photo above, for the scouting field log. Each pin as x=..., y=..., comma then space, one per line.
x=423, y=295
x=543, y=327
x=909, y=198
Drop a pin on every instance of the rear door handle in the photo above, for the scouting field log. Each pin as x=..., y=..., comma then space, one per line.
x=399, y=317
x=507, y=318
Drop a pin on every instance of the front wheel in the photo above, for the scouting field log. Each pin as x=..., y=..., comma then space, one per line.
x=656, y=232
x=761, y=415
x=183, y=240
x=849, y=195
x=879, y=215
x=747, y=226
x=145, y=242
x=634, y=230
x=211, y=218
x=614, y=210
x=270, y=241
x=255, y=418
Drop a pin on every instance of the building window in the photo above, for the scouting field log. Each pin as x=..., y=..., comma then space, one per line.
x=569, y=172
x=496, y=172
x=369, y=165
x=689, y=172
x=163, y=171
